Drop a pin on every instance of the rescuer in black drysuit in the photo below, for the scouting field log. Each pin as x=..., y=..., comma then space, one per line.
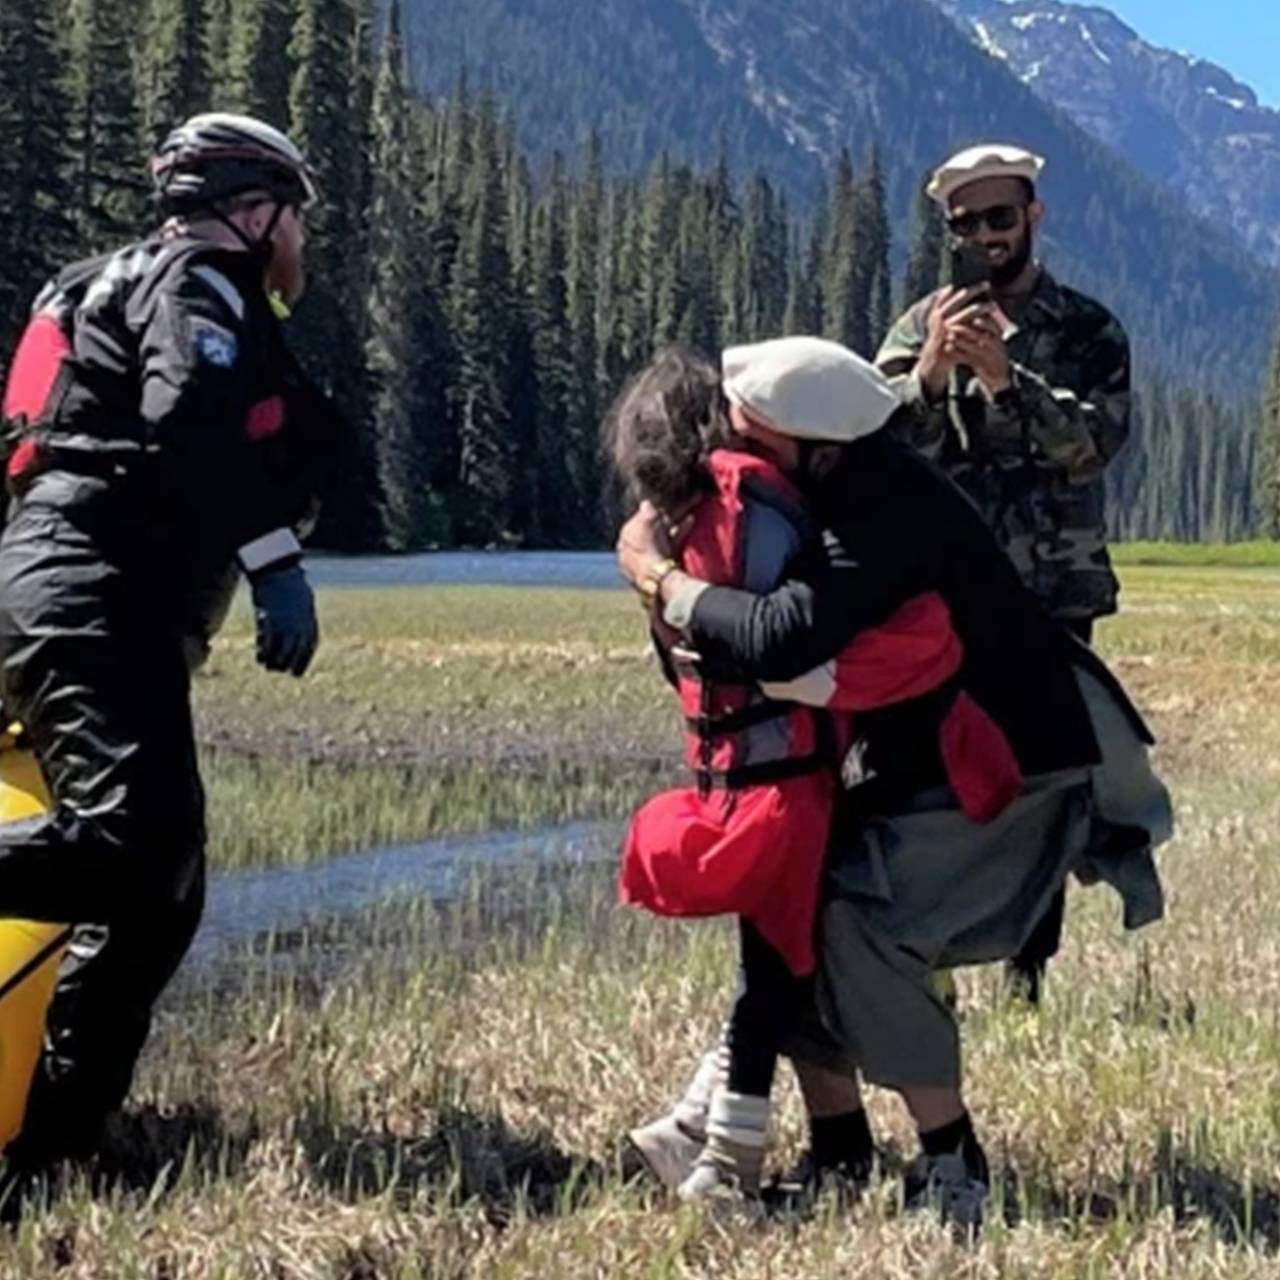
x=162, y=442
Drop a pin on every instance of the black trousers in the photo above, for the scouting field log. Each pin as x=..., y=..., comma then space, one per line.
x=102, y=687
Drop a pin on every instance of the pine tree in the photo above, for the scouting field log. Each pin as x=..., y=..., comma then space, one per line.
x=660, y=217
x=258, y=69
x=326, y=123
x=736, y=305
x=697, y=325
x=407, y=508
x=108, y=172
x=763, y=260
x=35, y=232
x=625, y=343
x=840, y=276
x=552, y=353
x=525, y=504
x=873, y=248
x=174, y=66
x=329, y=119
x=217, y=53
x=322, y=111
x=1267, y=472
x=481, y=302
x=925, y=251
x=582, y=277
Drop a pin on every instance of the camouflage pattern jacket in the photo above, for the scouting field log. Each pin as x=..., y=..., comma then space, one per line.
x=1032, y=458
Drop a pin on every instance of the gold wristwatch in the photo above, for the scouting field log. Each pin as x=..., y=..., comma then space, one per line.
x=650, y=585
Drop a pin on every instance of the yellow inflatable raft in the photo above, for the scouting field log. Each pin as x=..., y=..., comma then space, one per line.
x=29, y=952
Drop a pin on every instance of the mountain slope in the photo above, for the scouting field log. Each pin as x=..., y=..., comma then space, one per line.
x=1184, y=122
x=786, y=83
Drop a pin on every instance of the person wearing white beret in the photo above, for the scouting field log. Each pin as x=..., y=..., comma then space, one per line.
x=983, y=164
x=913, y=883
x=808, y=389
x=1019, y=390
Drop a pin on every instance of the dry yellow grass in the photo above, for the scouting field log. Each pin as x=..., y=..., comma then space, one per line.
x=447, y=1102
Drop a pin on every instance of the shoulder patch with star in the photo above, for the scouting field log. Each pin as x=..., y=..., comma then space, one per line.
x=213, y=344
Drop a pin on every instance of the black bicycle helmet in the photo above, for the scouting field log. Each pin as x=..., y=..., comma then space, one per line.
x=216, y=156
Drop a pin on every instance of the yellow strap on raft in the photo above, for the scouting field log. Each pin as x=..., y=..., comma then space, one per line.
x=30, y=952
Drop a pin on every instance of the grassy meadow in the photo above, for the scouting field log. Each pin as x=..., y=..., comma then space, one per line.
x=432, y=711
x=447, y=1101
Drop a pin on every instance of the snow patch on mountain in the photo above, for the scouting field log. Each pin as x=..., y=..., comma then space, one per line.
x=1238, y=104
x=1093, y=44
x=987, y=43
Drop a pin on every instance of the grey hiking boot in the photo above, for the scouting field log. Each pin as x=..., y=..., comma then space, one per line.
x=666, y=1149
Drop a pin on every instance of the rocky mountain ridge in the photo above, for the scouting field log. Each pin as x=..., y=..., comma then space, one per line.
x=1185, y=122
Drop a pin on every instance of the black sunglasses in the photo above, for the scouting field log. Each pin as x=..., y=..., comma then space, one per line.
x=1000, y=217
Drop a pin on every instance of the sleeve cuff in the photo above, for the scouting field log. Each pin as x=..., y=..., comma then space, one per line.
x=270, y=549
x=912, y=392
x=677, y=613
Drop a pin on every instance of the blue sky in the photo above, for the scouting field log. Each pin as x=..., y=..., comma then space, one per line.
x=1241, y=35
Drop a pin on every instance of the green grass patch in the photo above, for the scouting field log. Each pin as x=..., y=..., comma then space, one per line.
x=1240, y=555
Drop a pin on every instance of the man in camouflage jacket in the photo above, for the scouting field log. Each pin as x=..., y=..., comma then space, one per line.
x=1019, y=390
x=1021, y=393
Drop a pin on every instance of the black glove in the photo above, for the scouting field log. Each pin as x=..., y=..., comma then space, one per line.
x=285, y=612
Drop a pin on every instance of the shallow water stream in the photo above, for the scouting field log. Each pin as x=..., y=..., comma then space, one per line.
x=244, y=905
x=595, y=569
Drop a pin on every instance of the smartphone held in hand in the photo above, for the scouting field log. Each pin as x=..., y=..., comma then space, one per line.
x=969, y=268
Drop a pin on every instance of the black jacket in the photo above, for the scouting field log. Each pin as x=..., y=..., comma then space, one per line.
x=179, y=430
x=896, y=527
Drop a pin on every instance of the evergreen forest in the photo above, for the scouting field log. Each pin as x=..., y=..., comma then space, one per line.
x=475, y=302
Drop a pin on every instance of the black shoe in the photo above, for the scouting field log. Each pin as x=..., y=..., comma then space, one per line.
x=954, y=1185
x=806, y=1181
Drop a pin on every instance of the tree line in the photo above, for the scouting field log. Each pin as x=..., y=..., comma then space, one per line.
x=475, y=312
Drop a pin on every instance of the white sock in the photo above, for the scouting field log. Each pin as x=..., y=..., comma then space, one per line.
x=738, y=1117
x=713, y=1071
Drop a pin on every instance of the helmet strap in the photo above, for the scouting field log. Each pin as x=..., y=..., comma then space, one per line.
x=261, y=248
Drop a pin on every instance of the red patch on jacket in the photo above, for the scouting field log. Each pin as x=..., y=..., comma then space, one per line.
x=22, y=459
x=265, y=418
x=36, y=362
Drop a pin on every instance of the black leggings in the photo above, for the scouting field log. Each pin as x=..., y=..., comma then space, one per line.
x=769, y=1008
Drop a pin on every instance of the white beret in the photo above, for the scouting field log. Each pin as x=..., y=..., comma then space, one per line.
x=991, y=160
x=809, y=388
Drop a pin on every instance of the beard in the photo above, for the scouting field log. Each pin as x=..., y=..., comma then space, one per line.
x=1014, y=265
x=287, y=277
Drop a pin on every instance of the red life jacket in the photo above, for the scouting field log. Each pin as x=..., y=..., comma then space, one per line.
x=42, y=366
x=736, y=736
x=739, y=737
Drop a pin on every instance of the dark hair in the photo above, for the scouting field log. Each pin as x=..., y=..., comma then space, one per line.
x=664, y=425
